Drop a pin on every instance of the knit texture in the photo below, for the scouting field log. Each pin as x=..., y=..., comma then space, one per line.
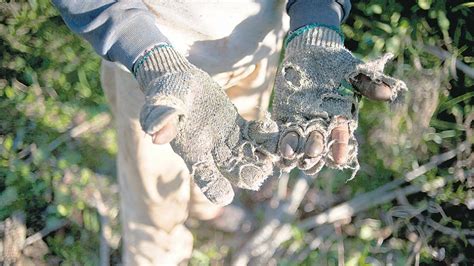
x=315, y=34
x=215, y=142
x=308, y=92
x=158, y=61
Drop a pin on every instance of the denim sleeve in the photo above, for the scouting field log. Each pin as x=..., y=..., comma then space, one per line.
x=118, y=30
x=329, y=12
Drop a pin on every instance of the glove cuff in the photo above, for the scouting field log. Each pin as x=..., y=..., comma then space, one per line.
x=314, y=35
x=160, y=60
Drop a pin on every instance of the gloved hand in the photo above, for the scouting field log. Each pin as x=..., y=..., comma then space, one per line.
x=314, y=105
x=185, y=106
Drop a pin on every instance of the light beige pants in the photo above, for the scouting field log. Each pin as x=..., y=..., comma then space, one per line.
x=157, y=194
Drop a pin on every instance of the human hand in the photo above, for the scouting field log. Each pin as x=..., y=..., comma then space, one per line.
x=316, y=110
x=185, y=107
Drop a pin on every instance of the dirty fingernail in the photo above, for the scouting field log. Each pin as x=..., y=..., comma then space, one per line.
x=289, y=145
x=314, y=144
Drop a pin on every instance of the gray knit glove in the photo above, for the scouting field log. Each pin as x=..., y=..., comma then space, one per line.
x=313, y=92
x=216, y=143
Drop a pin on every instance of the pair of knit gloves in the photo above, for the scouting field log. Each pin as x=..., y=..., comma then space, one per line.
x=313, y=102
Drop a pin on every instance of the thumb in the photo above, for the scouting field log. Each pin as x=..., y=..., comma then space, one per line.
x=161, y=122
x=371, y=89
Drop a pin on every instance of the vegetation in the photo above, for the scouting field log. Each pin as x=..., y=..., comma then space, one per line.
x=411, y=203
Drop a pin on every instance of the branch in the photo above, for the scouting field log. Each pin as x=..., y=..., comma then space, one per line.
x=445, y=55
x=44, y=232
x=278, y=228
x=267, y=239
x=459, y=233
x=435, y=161
x=317, y=240
x=374, y=198
x=105, y=229
x=98, y=122
x=366, y=201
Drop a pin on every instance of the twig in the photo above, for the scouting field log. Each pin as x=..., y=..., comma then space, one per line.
x=317, y=241
x=445, y=55
x=278, y=228
x=435, y=161
x=449, y=231
x=266, y=240
x=361, y=203
x=282, y=190
x=44, y=232
x=415, y=253
x=365, y=202
x=345, y=210
x=105, y=230
x=340, y=245
x=104, y=249
x=98, y=122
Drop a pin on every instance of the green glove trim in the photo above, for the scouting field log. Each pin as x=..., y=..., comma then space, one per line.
x=303, y=29
x=147, y=54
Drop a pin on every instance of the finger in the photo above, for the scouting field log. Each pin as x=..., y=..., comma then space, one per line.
x=265, y=133
x=213, y=185
x=247, y=167
x=340, y=147
x=289, y=145
x=167, y=133
x=371, y=89
x=314, y=145
x=252, y=176
x=161, y=122
x=312, y=151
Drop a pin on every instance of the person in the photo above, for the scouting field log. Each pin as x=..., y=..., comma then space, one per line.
x=165, y=69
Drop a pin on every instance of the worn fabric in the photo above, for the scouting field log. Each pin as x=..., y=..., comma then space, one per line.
x=120, y=31
x=155, y=189
x=226, y=39
x=157, y=193
x=327, y=12
x=215, y=142
x=310, y=92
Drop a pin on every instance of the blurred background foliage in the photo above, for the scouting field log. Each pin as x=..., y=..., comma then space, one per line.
x=57, y=146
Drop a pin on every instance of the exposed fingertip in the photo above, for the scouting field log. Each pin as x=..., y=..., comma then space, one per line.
x=382, y=92
x=340, y=148
x=289, y=145
x=314, y=144
x=339, y=153
x=166, y=134
x=372, y=90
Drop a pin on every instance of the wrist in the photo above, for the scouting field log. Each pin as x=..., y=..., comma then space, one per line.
x=157, y=61
x=315, y=35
